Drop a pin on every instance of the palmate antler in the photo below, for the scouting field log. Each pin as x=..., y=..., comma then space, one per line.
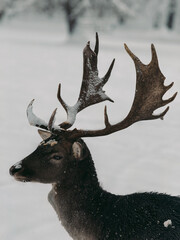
x=149, y=92
x=91, y=89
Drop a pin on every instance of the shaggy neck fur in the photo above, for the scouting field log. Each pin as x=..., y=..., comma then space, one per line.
x=75, y=198
x=89, y=213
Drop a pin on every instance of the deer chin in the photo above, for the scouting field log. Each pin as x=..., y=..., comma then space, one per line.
x=21, y=178
x=24, y=179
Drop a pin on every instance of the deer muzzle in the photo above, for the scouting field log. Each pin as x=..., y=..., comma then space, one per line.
x=16, y=171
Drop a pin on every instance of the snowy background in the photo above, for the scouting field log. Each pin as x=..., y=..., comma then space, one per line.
x=37, y=52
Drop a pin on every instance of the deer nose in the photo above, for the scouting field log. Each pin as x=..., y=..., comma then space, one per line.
x=15, y=168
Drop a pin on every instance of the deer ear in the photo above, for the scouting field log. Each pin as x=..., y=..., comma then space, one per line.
x=77, y=150
x=44, y=134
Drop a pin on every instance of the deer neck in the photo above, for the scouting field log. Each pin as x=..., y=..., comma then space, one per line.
x=74, y=199
x=77, y=181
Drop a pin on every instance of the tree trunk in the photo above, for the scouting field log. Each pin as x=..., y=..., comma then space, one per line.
x=70, y=19
x=171, y=14
x=2, y=13
x=71, y=25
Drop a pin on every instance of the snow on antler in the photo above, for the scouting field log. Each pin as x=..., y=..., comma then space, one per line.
x=149, y=93
x=38, y=122
x=33, y=119
x=92, y=85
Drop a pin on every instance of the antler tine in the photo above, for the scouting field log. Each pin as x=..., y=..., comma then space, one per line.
x=136, y=60
x=161, y=115
x=154, y=63
x=33, y=119
x=65, y=106
x=169, y=99
x=108, y=74
x=38, y=122
x=169, y=86
x=92, y=86
x=149, y=92
x=106, y=118
x=52, y=120
x=154, y=60
x=96, y=49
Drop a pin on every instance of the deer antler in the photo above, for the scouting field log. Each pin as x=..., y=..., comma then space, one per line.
x=91, y=92
x=149, y=91
x=92, y=86
x=38, y=122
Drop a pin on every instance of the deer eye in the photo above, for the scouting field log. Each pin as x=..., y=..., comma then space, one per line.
x=57, y=157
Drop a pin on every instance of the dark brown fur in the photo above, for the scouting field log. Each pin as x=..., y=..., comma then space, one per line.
x=87, y=211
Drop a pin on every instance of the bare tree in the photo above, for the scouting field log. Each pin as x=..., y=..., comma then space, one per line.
x=171, y=14
x=119, y=9
x=73, y=10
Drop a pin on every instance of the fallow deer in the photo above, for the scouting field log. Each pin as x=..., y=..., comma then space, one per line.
x=62, y=159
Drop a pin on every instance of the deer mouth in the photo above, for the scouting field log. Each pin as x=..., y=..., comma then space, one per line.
x=19, y=173
x=21, y=178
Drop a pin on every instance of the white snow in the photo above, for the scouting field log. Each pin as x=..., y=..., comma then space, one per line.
x=71, y=114
x=36, y=121
x=32, y=118
x=167, y=223
x=144, y=157
x=18, y=165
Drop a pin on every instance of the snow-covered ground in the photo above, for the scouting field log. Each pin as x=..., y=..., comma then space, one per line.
x=144, y=157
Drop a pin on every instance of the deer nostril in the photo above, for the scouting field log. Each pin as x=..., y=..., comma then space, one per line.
x=15, y=168
x=12, y=170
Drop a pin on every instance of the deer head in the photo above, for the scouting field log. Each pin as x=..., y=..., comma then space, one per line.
x=54, y=158
x=61, y=150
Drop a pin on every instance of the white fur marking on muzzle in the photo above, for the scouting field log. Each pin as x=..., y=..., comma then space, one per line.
x=18, y=165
